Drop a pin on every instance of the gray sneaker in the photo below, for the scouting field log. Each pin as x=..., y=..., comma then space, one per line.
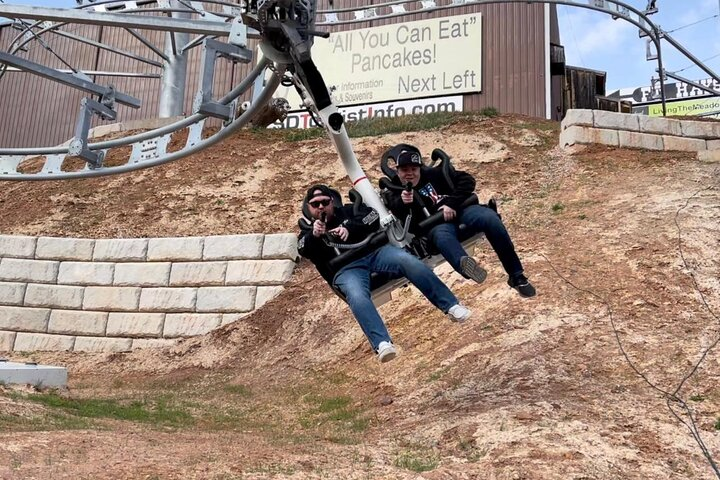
x=459, y=313
x=386, y=351
x=470, y=269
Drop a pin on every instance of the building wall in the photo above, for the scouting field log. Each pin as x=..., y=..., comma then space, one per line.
x=35, y=112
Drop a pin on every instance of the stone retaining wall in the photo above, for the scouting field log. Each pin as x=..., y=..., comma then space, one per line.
x=121, y=294
x=641, y=131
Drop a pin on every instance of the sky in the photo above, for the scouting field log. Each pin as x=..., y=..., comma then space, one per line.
x=594, y=40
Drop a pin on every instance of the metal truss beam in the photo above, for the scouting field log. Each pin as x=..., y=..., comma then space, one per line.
x=100, y=73
x=66, y=79
x=165, y=24
x=109, y=48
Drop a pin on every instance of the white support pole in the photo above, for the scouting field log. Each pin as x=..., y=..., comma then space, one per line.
x=548, y=78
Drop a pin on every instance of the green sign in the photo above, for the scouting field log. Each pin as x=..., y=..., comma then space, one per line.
x=687, y=107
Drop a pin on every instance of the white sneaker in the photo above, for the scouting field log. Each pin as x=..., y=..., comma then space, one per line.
x=386, y=351
x=459, y=313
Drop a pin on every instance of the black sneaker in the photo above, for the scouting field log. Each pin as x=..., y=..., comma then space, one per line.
x=470, y=269
x=522, y=285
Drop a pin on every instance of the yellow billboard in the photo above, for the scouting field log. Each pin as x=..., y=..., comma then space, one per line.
x=687, y=107
x=425, y=58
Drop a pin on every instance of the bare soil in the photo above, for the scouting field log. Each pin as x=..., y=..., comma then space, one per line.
x=623, y=246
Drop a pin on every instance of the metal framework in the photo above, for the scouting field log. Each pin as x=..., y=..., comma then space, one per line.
x=285, y=29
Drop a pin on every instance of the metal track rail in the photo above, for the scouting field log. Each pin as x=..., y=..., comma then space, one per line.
x=149, y=149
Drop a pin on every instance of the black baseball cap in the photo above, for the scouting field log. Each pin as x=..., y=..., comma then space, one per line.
x=323, y=189
x=407, y=157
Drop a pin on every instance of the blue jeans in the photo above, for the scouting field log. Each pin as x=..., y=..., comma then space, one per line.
x=353, y=280
x=447, y=237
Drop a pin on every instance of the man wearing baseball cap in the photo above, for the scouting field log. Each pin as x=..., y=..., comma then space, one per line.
x=436, y=194
x=331, y=224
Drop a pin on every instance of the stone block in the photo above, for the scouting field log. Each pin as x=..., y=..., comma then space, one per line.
x=168, y=299
x=660, y=126
x=226, y=299
x=54, y=296
x=265, y=294
x=54, y=248
x=135, y=324
x=280, y=245
x=190, y=324
x=232, y=317
x=111, y=298
x=584, y=135
x=41, y=342
x=120, y=250
x=138, y=343
x=604, y=136
x=709, y=156
x=142, y=274
x=17, y=246
x=258, y=272
x=641, y=140
x=24, y=319
x=12, y=293
x=198, y=273
x=77, y=322
x=573, y=135
x=231, y=247
x=705, y=130
x=102, y=344
x=23, y=270
x=684, y=144
x=577, y=117
x=7, y=340
x=616, y=121
x=86, y=273
x=175, y=249
x=713, y=144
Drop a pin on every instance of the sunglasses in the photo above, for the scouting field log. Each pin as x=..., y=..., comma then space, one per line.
x=317, y=203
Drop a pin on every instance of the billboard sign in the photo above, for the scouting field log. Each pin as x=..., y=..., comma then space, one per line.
x=379, y=110
x=425, y=58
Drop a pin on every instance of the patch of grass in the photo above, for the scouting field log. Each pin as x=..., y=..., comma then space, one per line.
x=339, y=378
x=159, y=412
x=336, y=418
x=300, y=134
x=558, y=207
x=437, y=374
x=717, y=424
x=489, y=112
x=417, y=460
x=332, y=404
x=239, y=390
x=408, y=123
x=582, y=216
x=697, y=398
x=52, y=421
x=272, y=469
x=372, y=127
x=541, y=126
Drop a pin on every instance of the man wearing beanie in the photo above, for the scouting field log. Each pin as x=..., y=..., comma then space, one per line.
x=331, y=224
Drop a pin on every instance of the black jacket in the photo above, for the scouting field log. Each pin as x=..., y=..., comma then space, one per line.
x=359, y=225
x=434, y=191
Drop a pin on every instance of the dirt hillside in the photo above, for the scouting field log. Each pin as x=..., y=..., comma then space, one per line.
x=622, y=245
